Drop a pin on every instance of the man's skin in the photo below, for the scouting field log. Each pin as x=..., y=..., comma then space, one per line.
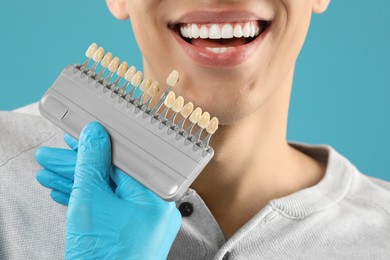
x=253, y=162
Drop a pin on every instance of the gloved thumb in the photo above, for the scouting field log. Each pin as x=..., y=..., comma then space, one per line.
x=93, y=164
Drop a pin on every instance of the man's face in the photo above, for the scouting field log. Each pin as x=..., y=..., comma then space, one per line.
x=230, y=77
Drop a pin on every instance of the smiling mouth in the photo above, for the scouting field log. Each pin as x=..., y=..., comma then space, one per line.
x=220, y=38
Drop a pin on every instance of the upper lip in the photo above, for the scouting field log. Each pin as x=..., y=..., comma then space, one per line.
x=219, y=16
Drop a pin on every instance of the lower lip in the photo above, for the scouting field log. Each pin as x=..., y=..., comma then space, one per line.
x=228, y=59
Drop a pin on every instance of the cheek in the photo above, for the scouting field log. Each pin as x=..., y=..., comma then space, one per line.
x=146, y=28
x=291, y=30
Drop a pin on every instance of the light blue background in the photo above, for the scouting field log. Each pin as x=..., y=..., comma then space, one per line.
x=341, y=93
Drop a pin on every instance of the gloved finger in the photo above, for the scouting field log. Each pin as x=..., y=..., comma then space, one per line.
x=54, y=181
x=93, y=163
x=60, y=197
x=71, y=142
x=130, y=189
x=58, y=160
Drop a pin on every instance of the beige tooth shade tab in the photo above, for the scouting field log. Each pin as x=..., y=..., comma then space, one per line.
x=114, y=64
x=173, y=78
x=170, y=99
x=122, y=69
x=213, y=126
x=145, y=85
x=137, y=78
x=204, y=120
x=130, y=73
x=98, y=56
x=106, y=60
x=178, y=105
x=154, y=89
x=91, y=50
x=195, y=116
x=187, y=110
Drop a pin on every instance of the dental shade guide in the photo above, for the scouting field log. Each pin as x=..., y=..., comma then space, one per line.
x=161, y=154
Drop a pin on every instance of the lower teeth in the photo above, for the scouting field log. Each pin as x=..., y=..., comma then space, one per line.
x=219, y=50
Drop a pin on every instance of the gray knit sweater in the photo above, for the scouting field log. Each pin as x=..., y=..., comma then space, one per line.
x=345, y=216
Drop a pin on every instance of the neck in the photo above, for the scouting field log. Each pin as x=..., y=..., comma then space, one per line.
x=253, y=162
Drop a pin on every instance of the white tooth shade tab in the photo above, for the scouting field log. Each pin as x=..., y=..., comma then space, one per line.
x=195, y=115
x=187, y=110
x=154, y=89
x=121, y=71
x=220, y=31
x=204, y=120
x=173, y=78
x=130, y=73
x=98, y=55
x=106, y=60
x=178, y=105
x=114, y=64
x=137, y=78
x=170, y=99
x=145, y=85
x=91, y=50
x=213, y=125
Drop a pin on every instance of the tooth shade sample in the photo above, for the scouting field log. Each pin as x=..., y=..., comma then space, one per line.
x=173, y=78
x=154, y=89
x=178, y=105
x=106, y=60
x=114, y=64
x=145, y=85
x=170, y=99
x=195, y=116
x=136, y=80
x=204, y=120
x=213, y=125
x=91, y=50
x=187, y=110
x=122, y=69
x=98, y=56
x=130, y=73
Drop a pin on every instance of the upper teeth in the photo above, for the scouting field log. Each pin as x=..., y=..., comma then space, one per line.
x=220, y=31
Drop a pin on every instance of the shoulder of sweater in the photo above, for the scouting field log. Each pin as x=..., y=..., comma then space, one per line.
x=31, y=109
x=363, y=190
x=369, y=193
x=343, y=189
x=21, y=132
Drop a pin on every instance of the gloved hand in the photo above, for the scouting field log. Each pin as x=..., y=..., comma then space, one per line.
x=58, y=169
x=129, y=223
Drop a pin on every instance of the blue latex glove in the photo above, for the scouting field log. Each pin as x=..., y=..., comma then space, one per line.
x=129, y=223
x=58, y=169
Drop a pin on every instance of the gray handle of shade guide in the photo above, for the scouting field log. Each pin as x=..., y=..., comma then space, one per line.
x=162, y=161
